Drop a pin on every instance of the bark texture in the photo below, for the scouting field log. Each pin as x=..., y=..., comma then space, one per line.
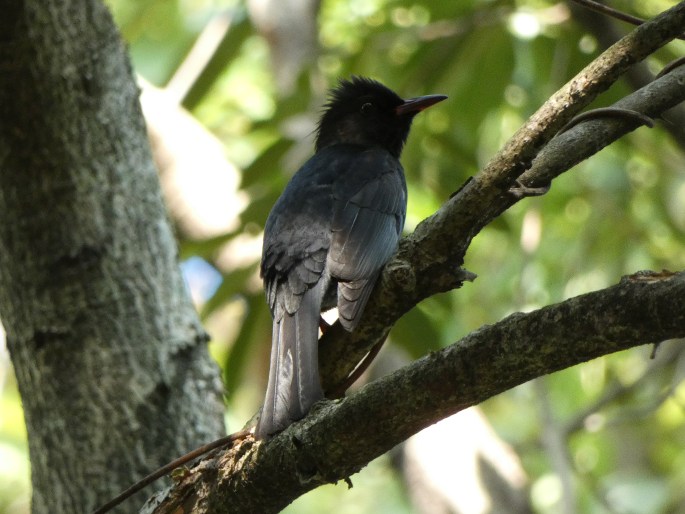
x=340, y=437
x=429, y=260
x=108, y=352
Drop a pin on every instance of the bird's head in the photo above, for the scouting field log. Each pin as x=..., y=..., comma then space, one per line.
x=363, y=111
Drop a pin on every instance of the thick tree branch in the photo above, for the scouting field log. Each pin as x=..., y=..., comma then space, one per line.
x=339, y=437
x=429, y=260
x=587, y=138
x=606, y=32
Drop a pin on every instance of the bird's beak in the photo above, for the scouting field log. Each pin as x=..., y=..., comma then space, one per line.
x=418, y=104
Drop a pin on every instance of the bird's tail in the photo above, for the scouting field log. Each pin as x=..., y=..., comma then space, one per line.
x=294, y=384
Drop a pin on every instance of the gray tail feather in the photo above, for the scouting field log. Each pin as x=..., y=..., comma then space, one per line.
x=352, y=298
x=294, y=384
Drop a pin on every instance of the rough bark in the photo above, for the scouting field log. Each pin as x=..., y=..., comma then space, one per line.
x=340, y=437
x=606, y=31
x=429, y=260
x=109, y=355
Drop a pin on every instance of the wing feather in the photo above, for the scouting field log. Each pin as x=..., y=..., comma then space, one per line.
x=366, y=228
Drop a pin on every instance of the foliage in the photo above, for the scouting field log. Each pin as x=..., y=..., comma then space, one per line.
x=620, y=212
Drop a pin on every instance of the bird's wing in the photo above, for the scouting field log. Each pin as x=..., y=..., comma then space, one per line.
x=344, y=211
x=296, y=241
x=297, y=234
x=369, y=208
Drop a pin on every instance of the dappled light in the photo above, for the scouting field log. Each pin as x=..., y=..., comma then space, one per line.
x=601, y=437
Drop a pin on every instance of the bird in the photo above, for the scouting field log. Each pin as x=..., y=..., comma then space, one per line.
x=329, y=234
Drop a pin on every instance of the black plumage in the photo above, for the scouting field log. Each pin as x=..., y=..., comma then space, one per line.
x=336, y=224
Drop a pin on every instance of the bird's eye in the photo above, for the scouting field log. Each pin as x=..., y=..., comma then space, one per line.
x=367, y=108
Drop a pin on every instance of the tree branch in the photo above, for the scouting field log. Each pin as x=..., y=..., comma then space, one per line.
x=605, y=31
x=587, y=138
x=429, y=260
x=605, y=9
x=339, y=437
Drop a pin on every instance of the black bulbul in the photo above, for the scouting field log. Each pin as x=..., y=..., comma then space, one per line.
x=338, y=221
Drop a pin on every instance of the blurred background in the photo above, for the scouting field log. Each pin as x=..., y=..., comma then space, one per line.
x=231, y=91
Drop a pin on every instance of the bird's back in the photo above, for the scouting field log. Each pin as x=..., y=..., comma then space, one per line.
x=343, y=211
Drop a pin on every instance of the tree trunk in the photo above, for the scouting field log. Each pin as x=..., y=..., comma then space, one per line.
x=109, y=355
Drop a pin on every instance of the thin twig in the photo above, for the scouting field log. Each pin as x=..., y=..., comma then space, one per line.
x=614, y=13
x=339, y=391
x=671, y=66
x=168, y=468
x=603, y=112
